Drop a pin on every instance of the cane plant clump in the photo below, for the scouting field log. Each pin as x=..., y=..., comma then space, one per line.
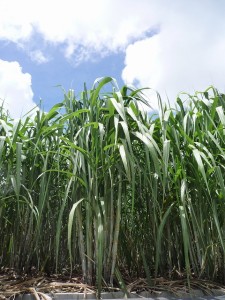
x=101, y=188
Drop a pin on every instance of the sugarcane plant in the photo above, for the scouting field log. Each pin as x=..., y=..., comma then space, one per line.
x=100, y=187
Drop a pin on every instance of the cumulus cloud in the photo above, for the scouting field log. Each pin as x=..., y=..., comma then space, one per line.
x=185, y=56
x=15, y=89
x=15, y=24
x=94, y=25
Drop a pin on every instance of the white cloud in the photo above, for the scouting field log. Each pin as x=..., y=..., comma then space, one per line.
x=15, y=24
x=94, y=25
x=187, y=54
x=15, y=89
x=38, y=56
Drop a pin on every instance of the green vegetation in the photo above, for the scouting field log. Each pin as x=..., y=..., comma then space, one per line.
x=97, y=186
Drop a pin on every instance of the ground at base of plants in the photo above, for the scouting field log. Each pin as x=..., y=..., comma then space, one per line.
x=12, y=284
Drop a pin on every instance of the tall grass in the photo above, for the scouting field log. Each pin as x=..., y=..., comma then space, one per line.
x=98, y=187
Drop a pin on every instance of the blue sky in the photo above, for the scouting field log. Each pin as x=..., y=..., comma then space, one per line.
x=169, y=46
x=47, y=77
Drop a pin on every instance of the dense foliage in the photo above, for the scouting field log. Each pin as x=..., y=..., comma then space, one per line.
x=97, y=186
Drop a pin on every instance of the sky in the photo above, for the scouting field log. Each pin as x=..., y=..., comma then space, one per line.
x=169, y=46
